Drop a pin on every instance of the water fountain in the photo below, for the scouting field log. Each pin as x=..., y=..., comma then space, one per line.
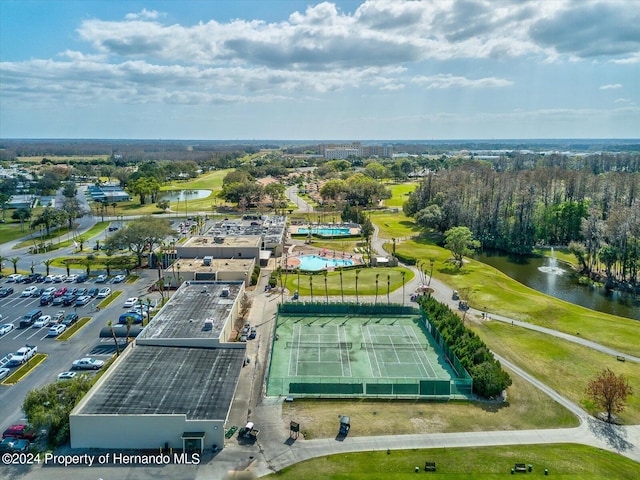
x=552, y=268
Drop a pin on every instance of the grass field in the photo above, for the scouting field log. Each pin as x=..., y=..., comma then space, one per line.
x=399, y=194
x=489, y=289
x=366, y=282
x=564, y=366
x=564, y=461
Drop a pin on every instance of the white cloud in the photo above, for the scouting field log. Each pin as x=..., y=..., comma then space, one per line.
x=451, y=81
x=144, y=13
x=611, y=86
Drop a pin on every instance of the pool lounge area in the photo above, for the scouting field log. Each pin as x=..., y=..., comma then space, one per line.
x=318, y=260
x=327, y=230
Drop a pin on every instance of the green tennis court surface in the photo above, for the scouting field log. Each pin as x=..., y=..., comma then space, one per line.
x=359, y=355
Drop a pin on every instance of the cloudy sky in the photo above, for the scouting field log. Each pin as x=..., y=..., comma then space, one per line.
x=291, y=69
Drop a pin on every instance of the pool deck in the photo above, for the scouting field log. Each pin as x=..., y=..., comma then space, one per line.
x=293, y=262
x=353, y=231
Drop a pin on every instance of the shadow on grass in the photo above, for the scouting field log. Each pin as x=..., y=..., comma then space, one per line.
x=491, y=406
x=453, y=271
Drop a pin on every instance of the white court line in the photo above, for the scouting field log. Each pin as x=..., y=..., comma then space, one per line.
x=375, y=354
x=419, y=351
x=344, y=334
x=367, y=352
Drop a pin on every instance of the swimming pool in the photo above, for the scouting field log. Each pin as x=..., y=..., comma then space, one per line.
x=326, y=231
x=316, y=263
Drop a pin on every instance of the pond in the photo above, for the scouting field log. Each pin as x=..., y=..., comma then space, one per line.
x=181, y=195
x=549, y=276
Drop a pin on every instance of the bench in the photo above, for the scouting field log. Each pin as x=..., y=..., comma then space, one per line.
x=429, y=466
x=521, y=468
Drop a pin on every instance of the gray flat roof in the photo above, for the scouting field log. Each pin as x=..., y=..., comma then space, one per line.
x=198, y=382
x=193, y=303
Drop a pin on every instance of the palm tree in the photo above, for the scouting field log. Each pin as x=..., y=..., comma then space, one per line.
x=114, y=205
x=432, y=261
x=67, y=262
x=88, y=261
x=377, y=275
x=129, y=323
x=326, y=292
x=403, y=274
x=113, y=334
x=15, y=261
x=311, y=286
x=47, y=263
x=341, y=290
x=2, y=259
x=357, y=273
x=388, y=284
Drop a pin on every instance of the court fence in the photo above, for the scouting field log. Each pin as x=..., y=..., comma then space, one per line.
x=344, y=387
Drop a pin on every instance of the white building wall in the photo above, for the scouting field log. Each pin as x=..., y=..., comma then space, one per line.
x=140, y=431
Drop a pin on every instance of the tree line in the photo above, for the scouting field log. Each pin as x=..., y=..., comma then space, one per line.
x=515, y=210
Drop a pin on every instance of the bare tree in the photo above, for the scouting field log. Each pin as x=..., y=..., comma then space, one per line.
x=609, y=391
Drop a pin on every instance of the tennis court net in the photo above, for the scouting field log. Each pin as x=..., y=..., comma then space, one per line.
x=392, y=346
x=340, y=345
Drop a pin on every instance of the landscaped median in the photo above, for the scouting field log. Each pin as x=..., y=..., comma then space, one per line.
x=107, y=301
x=73, y=329
x=25, y=369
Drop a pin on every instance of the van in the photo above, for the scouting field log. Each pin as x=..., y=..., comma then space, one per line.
x=30, y=318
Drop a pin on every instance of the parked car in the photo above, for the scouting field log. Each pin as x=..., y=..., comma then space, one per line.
x=72, y=278
x=135, y=318
x=6, y=291
x=6, y=445
x=83, y=300
x=70, y=319
x=43, y=321
x=6, y=328
x=38, y=293
x=20, y=445
x=46, y=299
x=87, y=363
x=119, y=278
x=49, y=291
x=67, y=375
x=104, y=292
x=68, y=299
x=130, y=302
x=20, y=431
x=82, y=278
x=27, y=292
x=23, y=355
x=101, y=278
x=59, y=292
x=82, y=291
x=58, y=300
x=56, y=330
x=49, y=279
x=30, y=317
x=4, y=372
x=59, y=316
x=59, y=278
x=93, y=292
x=13, y=277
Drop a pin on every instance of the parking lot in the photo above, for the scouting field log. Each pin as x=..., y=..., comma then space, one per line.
x=60, y=353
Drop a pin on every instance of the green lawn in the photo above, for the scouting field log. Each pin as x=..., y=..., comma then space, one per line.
x=366, y=282
x=394, y=225
x=489, y=289
x=11, y=231
x=564, y=461
x=399, y=194
x=564, y=366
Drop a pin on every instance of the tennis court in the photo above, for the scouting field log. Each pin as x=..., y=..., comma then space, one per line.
x=362, y=355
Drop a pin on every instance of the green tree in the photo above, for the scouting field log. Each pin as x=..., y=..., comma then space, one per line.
x=21, y=214
x=140, y=235
x=163, y=205
x=459, y=241
x=49, y=217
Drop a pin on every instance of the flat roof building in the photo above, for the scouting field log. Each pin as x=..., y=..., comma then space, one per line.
x=173, y=386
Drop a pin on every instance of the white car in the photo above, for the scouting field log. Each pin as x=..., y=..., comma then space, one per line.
x=13, y=277
x=49, y=279
x=4, y=372
x=72, y=278
x=49, y=291
x=104, y=292
x=142, y=311
x=101, y=278
x=66, y=375
x=6, y=328
x=27, y=292
x=56, y=330
x=87, y=363
x=119, y=278
x=130, y=302
x=43, y=321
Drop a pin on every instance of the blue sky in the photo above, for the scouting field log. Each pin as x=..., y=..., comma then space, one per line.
x=350, y=70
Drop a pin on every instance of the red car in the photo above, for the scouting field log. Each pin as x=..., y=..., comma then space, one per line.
x=20, y=431
x=59, y=292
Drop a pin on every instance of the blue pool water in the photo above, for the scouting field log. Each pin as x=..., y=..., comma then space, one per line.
x=316, y=263
x=327, y=231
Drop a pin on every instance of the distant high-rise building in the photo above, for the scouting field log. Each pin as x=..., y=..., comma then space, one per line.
x=335, y=151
